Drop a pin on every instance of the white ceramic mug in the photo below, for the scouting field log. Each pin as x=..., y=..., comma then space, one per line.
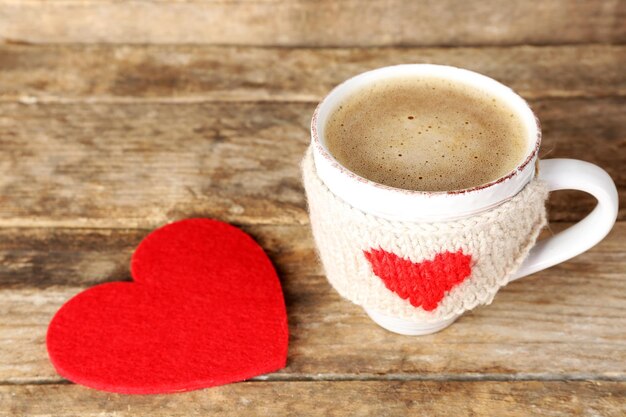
x=418, y=206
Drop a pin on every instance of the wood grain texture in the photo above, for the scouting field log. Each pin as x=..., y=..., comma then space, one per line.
x=319, y=23
x=142, y=164
x=330, y=399
x=204, y=73
x=50, y=258
x=567, y=322
x=117, y=116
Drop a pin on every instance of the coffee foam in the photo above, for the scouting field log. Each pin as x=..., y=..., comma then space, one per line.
x=426, y=134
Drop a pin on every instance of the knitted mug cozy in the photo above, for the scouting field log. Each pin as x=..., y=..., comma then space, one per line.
x=421, y=271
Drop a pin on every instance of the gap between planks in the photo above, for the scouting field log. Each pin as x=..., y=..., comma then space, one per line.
x=383, y=377
x=504, y=46
x=287, y=99
x=102, y=225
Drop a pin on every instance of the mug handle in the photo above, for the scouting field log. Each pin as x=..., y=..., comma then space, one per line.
x=572, y=174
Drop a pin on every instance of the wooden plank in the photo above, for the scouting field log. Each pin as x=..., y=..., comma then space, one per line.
x=44, y=258
x=567, y=322
x=142, y=164
x=320, y=23
x=188, y=72
x=330, y=399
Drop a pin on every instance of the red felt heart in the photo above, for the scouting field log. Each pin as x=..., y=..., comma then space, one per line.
x=424, y=283
x=205, y=308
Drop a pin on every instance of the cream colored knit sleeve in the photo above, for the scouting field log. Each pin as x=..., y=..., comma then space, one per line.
x=421, y=271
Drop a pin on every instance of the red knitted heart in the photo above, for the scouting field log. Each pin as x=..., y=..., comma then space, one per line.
x=424, y=283
x=205, y=308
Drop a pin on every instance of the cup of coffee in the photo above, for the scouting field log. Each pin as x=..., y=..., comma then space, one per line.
x=426, y=194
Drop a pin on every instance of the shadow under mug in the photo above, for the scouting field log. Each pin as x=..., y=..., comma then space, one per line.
x=419, y=206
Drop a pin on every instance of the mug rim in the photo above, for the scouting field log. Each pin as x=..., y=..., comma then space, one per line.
x=530, y=155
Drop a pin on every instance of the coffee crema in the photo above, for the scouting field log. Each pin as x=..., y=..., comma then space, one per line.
x=426, y=134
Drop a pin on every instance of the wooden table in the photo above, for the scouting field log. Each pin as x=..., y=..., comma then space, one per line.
x=119, y=116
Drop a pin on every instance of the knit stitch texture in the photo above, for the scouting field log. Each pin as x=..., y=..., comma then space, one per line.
x=422, y=271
